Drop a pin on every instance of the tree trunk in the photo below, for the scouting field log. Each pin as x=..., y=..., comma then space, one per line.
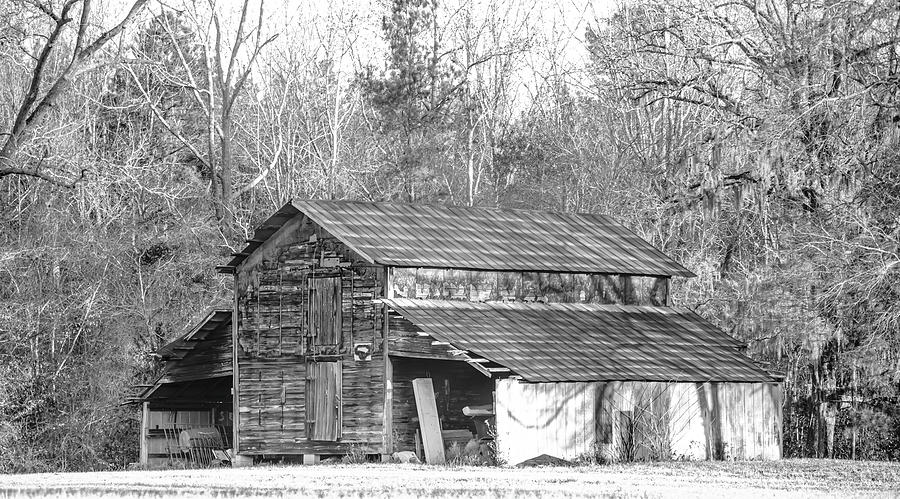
x=226, y=168
x=830, y=414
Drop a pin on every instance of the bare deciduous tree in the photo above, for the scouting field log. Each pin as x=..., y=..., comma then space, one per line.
x=44, y=87
x=227, y=66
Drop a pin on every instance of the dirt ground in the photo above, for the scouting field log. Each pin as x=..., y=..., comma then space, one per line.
x=788, y=478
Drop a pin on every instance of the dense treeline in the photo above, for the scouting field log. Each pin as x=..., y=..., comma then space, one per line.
x=756, y=141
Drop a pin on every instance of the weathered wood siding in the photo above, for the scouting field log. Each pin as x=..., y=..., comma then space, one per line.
x=276, y=342
x=638, y=420
x=456, y=385
x=453, y=284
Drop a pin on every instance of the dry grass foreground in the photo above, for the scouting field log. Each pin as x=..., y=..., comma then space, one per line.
x=788, y=478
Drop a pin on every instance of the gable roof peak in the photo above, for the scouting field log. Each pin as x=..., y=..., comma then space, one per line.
x=477, y=238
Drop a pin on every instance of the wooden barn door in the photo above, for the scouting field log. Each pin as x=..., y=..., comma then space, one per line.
x=323, y=401
x=323, y=378
x=325, y=315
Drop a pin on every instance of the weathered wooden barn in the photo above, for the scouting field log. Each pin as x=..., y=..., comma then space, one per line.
x=560, y=323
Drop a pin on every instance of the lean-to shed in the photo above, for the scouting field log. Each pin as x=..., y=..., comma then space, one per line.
x=559, y=322
x=193, y=394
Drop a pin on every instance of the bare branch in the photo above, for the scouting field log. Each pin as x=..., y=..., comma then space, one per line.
x=68, y=184
x=82, y=27
x=246, y=73
x=88, y=52
x=32, y=109
x=155, y=109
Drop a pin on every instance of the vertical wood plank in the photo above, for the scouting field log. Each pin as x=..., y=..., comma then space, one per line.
x=590, y=421
x=593, y=406
x=571, y=414
x=738, y=412
x=729, y=415
x=235, y=369
x=765, y=422
x=747, y=422
x=574, y=419
x=741, y=417
x=607, y=412
x=752, y=414
x=768, y=424
x=501, y=419
x=337, y=311
x=528, y=413
x=674, y=424
x=429, y=423
x=779, y=414
x=547, y=437
x=744, y=393
x=729, y=423
x=724, y=408
x=145, y=433
x=337, y=408
x=702, y=390
x=387, y=430
x=555, y=418
x=578, y=416
x=717, y=422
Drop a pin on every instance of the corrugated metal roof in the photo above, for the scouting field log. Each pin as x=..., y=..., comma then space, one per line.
x=415, y=235
x=581, y=342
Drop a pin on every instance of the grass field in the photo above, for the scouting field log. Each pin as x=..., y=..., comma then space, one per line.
x=788, y=478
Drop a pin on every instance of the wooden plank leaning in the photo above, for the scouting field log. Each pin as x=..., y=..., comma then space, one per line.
x=429, y=423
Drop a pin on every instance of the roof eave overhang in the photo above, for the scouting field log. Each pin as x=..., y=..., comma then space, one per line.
x=654, y=380
x=426, y=265
x=210, y=322
x=261, y=234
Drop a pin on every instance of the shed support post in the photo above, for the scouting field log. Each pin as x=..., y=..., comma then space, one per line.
x=235, y=399
x=145, y=433
x=388, y=420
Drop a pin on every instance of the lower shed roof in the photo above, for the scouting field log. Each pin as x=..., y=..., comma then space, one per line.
x=178, y=348
x=203, y=352
x=585, y=342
